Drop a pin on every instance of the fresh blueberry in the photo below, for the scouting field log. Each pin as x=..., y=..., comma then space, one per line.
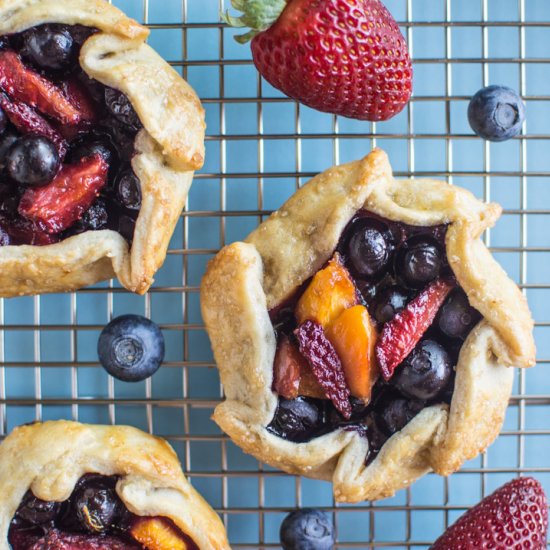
x=457, y=317
x=121, y=108
x=131, y=348
x=389, y=303
x=369, y=250
x=419, y=262
x=96, y=217
x=298, y=420
x=396, y=413
x=496, y=113
x=96, y=505
x=50, y=47
x=128, y=190
x=36, y=511
x=94, y=145
x=7, y=140
x=307, y=529
x=425, y=372
x=33, y=161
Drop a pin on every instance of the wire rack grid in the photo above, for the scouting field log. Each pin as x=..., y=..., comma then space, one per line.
x=261, y=147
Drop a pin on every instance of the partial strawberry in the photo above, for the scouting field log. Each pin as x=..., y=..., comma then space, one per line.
x=401, y=334
x=346, y=57
x=27, y=86
x=56, y=206
x=28, y=121
x=79, y=96
x=325, y=364
x=514, y=516
x=21, y=231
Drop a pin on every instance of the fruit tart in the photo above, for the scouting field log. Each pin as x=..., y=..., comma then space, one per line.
x=71, y=486
x=99, y=139
x=364, y=333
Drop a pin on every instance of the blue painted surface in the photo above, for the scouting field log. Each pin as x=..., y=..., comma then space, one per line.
x=189, y=373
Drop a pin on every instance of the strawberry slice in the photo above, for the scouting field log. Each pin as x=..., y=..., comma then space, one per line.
x=56, y=206
x=28, y=121
x=21, y=231
x=514, y=516
x=325, y=364
x=79, y=96
x=27, y=86
x=401, y=334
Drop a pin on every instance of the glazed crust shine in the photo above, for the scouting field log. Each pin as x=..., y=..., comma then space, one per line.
x=50, y=458
x=246, y=279
x=168, y=151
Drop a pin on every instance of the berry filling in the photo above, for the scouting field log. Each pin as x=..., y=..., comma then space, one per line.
x=66, y=142
x=373, y=337
x=93, y=518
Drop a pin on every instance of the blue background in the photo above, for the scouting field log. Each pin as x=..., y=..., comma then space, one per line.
x=255, y=160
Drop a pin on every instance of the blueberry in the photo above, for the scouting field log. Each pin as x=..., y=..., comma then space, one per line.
x=389, y=303
x=425, y=372
x=96, y=505
x=7, y=140
x=128, y=190
x=36, y=511
x=33, y=160
x=96, y=217
x=298, y=420
x=396, y=413
x=94, y=145
x=127, y=227
x=121, y=108
x=307, y=529
x=131, y=348
x=49, y=47
x=496, y=113
x=457, y=317
x=419, y=262
x=3, y=121
x=369, y=250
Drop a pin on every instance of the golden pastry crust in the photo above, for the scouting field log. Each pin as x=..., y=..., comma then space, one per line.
x=247, y=279
x=168, y=151
x=50, y=458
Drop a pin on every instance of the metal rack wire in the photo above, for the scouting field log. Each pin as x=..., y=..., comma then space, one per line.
x=261, y=146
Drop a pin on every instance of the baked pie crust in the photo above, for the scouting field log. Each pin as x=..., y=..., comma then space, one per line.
x=246, y=279
x=168, y=150
x=50, y=458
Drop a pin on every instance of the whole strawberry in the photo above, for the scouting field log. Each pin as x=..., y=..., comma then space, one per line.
x=513, y=517
x=346, y=57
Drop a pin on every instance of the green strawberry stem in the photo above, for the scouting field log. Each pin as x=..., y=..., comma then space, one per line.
x=258, y=15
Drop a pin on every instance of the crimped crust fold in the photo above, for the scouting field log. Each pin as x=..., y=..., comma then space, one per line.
x=246, y=279
x=50, y=458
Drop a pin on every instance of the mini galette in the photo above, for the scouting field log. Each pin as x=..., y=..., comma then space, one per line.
x=70, y=486
x=364, y=333
x=99, y=140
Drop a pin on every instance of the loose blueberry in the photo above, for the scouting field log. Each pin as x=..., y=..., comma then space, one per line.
x=49, y=47
x=396, y=413
x=307, y=529
x=419, y=262
x=36, y=511
x=496, y=113
x=96, y=505
x=96, y=217
x=425, y=372
x=33, y=161
x=369, y=250
x=7, y=140
x=128, y=190
x=389, y=303
x=457, y=317
x=298, y=420
x=131, y=348
x=120, y=107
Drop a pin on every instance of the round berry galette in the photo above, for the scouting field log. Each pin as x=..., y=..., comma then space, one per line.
x=364, y=333
x=70, y=486
x=99, y=140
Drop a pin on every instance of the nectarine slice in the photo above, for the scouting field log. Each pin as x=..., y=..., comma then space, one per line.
x=353, y=335
x=158, y=534
x=330, y=292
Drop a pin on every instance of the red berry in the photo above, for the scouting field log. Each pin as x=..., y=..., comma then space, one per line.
x=346, y=57
x=401, y=334
x=514, y=516
x=325, y=364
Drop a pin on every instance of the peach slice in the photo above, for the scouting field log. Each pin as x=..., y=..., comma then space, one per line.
x=330, y=292
x=159, y=534
x=354, y=336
